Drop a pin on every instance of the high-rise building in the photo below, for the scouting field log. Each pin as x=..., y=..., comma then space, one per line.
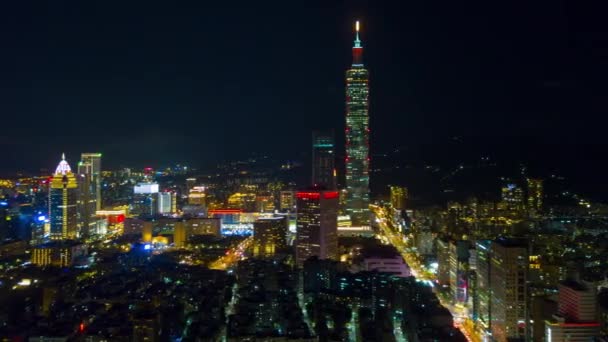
x=63, y=203
x=145, y=199
x=357, y=138
x=535, y=196
x=323, y=159
x=576, y=319
x=316, y=225
x=483, y=295
x=93, y=171
x=165, y=202
x=459, y=267
x=269, y=235
x=509, y=289
x=512, y=197
x=399, y=196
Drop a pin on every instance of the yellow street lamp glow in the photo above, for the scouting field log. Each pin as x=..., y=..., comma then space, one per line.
x=357, y=25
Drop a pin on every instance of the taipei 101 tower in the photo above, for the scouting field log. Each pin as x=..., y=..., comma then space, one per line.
x=357, y=138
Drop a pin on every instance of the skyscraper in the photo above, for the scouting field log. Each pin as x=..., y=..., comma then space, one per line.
x=513, y=197
x=63, y=203
x=509, y=289
x=93, y=169
x=145, y=199
x=535, y=196
x=165, y=202
x=357, y=138
x=323, y=159
x=483, y=295
x=316, y=225
x=89, y=189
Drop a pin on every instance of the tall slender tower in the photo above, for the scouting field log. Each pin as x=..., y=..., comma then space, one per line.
x=91, y=166
x=62, y=202
x=357, y=137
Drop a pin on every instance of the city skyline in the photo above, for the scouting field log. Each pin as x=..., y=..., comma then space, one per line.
x=448, y=192
x=126, y=100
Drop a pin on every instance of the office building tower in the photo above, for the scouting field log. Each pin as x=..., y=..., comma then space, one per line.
x=269, y=236
x=89, y=191
x=443, y=262
x=483, y=295
x=316, y=224
x=93, y=171
x=87, y=203
x=165, y=202
x=145, y=199
x=576, y=319
x=535, y=196
x=357, y=138
x=323, y=160
x=459, y=268
x=509, y=290
x=287, y=201
x=399, y=196
x=513, y=197
x=577, y=301
x=63, y=203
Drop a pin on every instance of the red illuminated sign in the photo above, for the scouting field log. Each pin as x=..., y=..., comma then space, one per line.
x=225, y=211
x=317, y=195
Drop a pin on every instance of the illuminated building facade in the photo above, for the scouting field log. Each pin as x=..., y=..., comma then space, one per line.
x=512, y=197
x=576, y=319
x=243, y=201
x=203, y=226
x=483, y=295
x=58, y=253
x=264, y=202
x=509, y=289
x=323, y=160
x=399, y=196
x=287, y=201
x=145, y=199
x=535, y=196
x=459, y=268
x=91, y=163
x=89, y=190
x=316, y=225
x=115, y=220
x=166, y=203
x=196, y=195
x=63, y=203
x=357, y=138
x=269, y=235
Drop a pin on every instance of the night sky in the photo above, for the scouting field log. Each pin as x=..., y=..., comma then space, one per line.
x=158, y=82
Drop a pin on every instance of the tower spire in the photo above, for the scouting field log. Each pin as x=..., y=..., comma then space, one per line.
x=357, y=40
x=357, y=48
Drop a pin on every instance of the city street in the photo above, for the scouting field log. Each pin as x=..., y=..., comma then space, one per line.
x=388, y=234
